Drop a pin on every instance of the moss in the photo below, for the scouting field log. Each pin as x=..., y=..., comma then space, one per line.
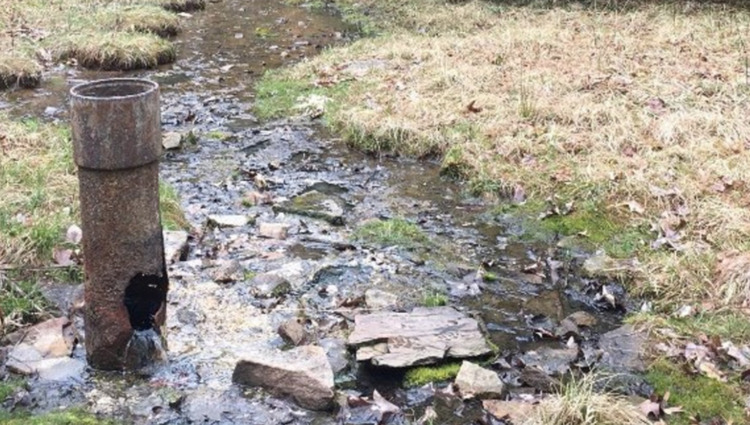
x=9, y=387
x=66, y=417
x=395, y=231
x=172, y=216
x=698, y=395
x=425, y=374
x=490, y=277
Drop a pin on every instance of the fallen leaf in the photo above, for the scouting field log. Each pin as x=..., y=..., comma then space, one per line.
x=63, y=257
x=74, y=234
x=710, y=370
x=651, y=408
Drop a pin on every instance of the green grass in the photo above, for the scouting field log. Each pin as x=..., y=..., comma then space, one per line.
x=422, y=375
x=728, y=325
x=698, y=395
x=391, y=232
x=172, y=216
x=434, y=299
x=65, y=417
x=9, y=387
x=21, y=302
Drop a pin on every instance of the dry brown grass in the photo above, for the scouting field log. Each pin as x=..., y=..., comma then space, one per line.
x=580, y=404
x=121, y=34
x=18, y=71
x=648, y=105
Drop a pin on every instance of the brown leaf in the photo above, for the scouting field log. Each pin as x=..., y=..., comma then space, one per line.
x=472, y=108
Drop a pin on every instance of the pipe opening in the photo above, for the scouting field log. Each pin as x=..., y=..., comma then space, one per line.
x=115, y=88
x=144, y=297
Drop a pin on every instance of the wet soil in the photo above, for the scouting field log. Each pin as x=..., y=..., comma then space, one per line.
x=209, y=92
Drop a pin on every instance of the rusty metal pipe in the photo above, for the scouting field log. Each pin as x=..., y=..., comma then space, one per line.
x=116, y=146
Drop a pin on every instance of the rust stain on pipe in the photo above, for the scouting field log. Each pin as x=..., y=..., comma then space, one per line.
x=117, y=145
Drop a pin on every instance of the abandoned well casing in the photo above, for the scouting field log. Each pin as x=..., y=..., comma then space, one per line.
x=117, y=145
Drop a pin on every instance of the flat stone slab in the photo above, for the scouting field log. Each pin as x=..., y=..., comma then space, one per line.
x=424, y=336
x=228, y=220
x=315, y=204
x=475, y=381
x=303, y=374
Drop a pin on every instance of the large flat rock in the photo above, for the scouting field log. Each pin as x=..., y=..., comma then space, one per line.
x=424, y=336
x=303, y=374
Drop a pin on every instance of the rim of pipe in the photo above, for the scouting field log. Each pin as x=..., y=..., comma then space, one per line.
x=102, y=90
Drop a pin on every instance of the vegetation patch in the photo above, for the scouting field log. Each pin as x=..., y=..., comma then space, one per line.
x=434, y=299
x=180, y=5
x=19, y=71
x=172, y=216
x=578, y=403
x=116, y=51
x=422, y=375
x=698, y=395
x=148, y=19
x=390, y=232
x=21, y=302
x=65, y=417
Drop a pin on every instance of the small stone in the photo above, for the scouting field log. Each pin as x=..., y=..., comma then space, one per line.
x=257, y=198
x=622, y=349
x=568, y=329
x=581, y=318
x=171, y=140
x=302, y=373
x=515, y=411
x=474, y=381
x=294, y=332
x=554, y=362
x=228, y=220
x=315, y=204
x=273, y=230
x=380, y=300
x=267, y=285
x=336, y=352
x=228, y=271
x=536, y=378
x=175, y=246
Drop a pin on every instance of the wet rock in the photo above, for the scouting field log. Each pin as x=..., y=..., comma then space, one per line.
x=511, y=410
x=622, y=349
x=554, y=362
x=315, y=204
x=171, y=140
x=60, y=369
x=581, y=318
x=380, y=300
x=37, y=348
x=303, y=374
x=424, y=336
x=361, y=411
x=474, y=381
x=228, y=220
x=603, y=265
x=538, y=379
x=336, y=353
x=568, y=329
x=273, y=230
x=268, y=285
x=175, y=246
x=549, y=304
x=227, y=271
x=294, y=332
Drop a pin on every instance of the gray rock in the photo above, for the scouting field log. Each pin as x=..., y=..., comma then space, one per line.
x=60, y=369
x=380, y=300
x=568, y=329
x=553, y=362
x=33, y=348
x=175, y=246
x=294, y=332
x=474, y=381
x=315, y=204
x=171, y=140
x=273, y=230
x=228, y=220
x=536, y=378
x=268, y=285
x=336, y=353
x=424, y=336
x=622, y=349
x=581, y=318
x=303, y=374
x=227, y=271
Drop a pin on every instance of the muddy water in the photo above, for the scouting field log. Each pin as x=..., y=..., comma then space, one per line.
x=208, y=92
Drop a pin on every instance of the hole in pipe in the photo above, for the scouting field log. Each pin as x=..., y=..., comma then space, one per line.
x=144, y=297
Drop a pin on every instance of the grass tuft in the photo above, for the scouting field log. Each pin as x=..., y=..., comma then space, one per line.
x=180, y=5
x=116, y=51
x=17, y=71
x=21, y=303
x=65, y=417
x=147, y=19
x=390, y=232
x=580, y=404
x=172, y=216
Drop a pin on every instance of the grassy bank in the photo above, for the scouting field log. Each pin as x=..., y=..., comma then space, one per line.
x=621, y=125
x=636, y=116
x=124, y=34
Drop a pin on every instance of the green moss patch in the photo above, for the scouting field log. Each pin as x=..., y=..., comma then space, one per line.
x=66, y=417
x=425, y=374
x=390, y=232
x=698, y=395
